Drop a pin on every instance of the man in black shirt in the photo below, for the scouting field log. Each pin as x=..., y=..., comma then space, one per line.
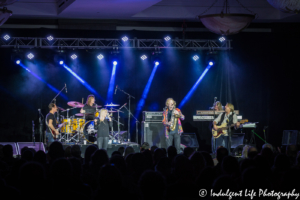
x=51, y=123
x=89, y=108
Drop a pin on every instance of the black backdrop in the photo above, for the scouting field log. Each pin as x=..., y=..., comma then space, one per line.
x=259, y=76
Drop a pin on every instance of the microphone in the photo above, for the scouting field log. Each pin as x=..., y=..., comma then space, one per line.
x=116, y=89
x=66, y=88
x=39, y=115
x=123, y=106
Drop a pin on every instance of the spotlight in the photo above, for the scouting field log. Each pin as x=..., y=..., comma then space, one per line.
x=167, y=38
x=18, y=62
x=74, y=56
x=124, y=38
x=61, y=62
x=50, y=38
x=115, y=62
x=222, y=39
x=30, y=56
x=211, y=63
x=144, y=57
x=6, y=37
x=100, y=57
x=195, y=57
x=156, y=63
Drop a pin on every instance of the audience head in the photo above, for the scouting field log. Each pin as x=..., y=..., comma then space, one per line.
x=291, y=150
x=88, y=153
x=153, y=149
x=8, y=151
x=75, y=151
x=267, y=145
x=158, y=154
x=68, y=152
x=27, y=155
x=188, y=151
x=61, y=171
x=252, y=152
x=245, y=151
x=128, y=150
x=230, y=165
x=172, y=152
x=99, y=158
x=208, y=159
x=152, y=185
x=116, y=153
x=221, y=153
x=121, y=150
x=40, y=157
x=145, y=146
x=56, y=150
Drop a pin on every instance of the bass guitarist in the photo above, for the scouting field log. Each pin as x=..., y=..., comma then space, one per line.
x=51, y=131
x=228, y=117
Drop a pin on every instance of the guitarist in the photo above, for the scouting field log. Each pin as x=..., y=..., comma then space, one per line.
x=228, y=117
x=51, y=123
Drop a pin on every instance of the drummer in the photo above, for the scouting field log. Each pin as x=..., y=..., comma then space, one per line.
x=89, y=108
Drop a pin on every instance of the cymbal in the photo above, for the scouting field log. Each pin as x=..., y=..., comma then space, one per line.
x=59, y=108
x=75, y=104
x=112, y=104
x=82, y=114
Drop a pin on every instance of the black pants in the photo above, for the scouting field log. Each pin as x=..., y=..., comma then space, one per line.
x=176, y=138
x=102, y=142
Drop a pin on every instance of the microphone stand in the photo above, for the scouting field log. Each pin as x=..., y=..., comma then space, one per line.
x=33, y=136
x=54, y=100
x=129, y=113
x=136, y=122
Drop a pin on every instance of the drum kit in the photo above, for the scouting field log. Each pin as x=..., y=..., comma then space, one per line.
x=79, y=130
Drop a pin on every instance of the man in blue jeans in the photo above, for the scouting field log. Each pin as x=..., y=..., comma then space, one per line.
x=230, y=118
x=51, y=124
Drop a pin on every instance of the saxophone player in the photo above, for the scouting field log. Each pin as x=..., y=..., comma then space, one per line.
x=172, y=121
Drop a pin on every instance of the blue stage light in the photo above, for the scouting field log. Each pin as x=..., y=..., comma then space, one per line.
x=74, y=56
x=125, y=38
x=156, y=63
x=115, y=62
x=167, y=38
x=30, y=56
x=61, y=62
x=50, y=38
x=100, y=56
x=143, y=57
x=222, y=39
x=18, y=62
x=195, y=57
x=6, y=37
x=211, y=63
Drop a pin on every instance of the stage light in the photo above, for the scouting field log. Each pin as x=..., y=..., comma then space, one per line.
x=211, y=63
x=222, y=39
x=61, y=62
x=74, y=56
x=124, y=38
x=30, y=56
x=144, y=57
x=18, y=62
x=167, y=38
x=195, y=57
x=50, y=38
x=100, y=57
x=156, y=63
x=6, y=37
x=115, y=62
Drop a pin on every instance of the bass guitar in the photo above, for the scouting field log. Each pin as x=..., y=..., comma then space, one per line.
x=223, y=128
x=57, y=128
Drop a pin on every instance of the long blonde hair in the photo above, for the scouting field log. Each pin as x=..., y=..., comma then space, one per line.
x=218, y=103
x=231, y=107
x=100, y=113
x=89, y=99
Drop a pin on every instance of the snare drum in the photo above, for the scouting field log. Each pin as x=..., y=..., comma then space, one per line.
x=88, y=132
x=67, y=127
x=76, y=122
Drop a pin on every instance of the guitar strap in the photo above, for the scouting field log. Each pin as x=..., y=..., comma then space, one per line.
x=223, y=116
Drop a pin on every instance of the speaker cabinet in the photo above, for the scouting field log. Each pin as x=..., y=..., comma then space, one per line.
x=189, y=140
x=14, y=146
x=237, y=139
x=290, y=137
x=36, y=146
x=153, y=133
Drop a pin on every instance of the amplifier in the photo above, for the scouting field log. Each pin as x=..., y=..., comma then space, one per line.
x=152, y=116
x=153, y=133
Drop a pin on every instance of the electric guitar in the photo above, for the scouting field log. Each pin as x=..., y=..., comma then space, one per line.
x=58, y=127
x=222, y=129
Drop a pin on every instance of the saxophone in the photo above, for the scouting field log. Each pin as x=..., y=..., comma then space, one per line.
x=173, y=120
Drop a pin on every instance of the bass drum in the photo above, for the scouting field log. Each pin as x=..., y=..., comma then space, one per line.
x=88, y=132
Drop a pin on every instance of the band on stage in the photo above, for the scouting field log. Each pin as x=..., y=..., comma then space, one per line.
x=172, y=118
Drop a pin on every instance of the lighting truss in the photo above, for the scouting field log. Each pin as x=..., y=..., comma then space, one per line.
x=105, y=43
